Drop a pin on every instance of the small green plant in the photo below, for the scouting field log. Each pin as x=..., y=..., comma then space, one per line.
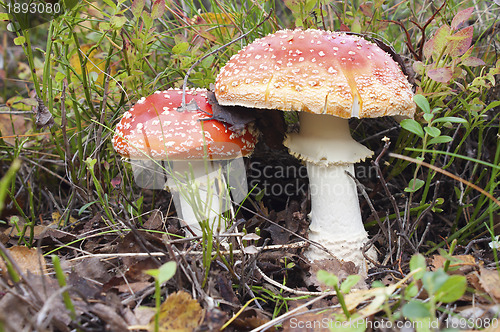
x=61, y=279
x=6, y=181
x=103, y=196
x=429, y=133
x=163, y=274
x=345, y=287
x=441, y=288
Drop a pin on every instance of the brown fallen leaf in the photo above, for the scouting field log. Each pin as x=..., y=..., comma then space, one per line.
x=341, y=269
x=179, y=313
x=114, y=322
x=459, y=264
x=26, y=259
x=11, y=125
x=250, y=319
x=490, y=281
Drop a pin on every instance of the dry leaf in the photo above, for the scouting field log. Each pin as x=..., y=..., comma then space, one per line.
x=11, y=125
x=466, y=263
x=250, y=319
x=341, y=269
x=26, y=259
x=114, y=321
x=95, y=65
x=490, y=280
x=43, y=117
x=179, y=313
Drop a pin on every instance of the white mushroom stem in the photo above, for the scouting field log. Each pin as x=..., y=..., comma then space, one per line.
x=201, y=191
x=325, y=144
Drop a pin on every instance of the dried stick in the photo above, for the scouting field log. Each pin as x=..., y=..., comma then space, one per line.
x=448, y=174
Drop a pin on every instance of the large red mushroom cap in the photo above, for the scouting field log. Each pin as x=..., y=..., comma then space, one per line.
x=316, y=71
x=154, y=128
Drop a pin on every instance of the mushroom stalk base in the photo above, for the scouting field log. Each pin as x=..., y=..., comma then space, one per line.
x=335, y=214
x=325, y=144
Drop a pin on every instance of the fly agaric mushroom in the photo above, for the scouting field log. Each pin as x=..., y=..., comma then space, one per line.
x=154, y=129
x=329, y=77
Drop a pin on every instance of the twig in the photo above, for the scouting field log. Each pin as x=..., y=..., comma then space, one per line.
x=47, y=170
x=442, y=171
x=316, y=244
x=288, y=289
x=368, y=200
x=384, y=184
x=294, y=245
x=17, y=112
x=471, y=243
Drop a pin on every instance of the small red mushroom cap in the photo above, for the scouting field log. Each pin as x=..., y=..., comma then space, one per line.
x=153, y=128
x=316, y=71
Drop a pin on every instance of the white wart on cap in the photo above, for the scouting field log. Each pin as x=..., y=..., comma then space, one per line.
x=316, y=71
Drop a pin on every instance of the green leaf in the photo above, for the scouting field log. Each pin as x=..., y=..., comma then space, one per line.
x=428, y=116
x=309, y=5
x=167, y=271
x=293, y=5
x=356, y=26
x=117, y=22
x=110, y=3
x=414, y=185
x=452, y=289
x=180, y=48
x=432, y=131
x=411, y=290
x=418, y=262
x=492, y=105
x=4, y=17
x=137, y=7
x=413, y=127
x=422, y=102
x=104, y=26
x=59, y=77
x=415, y=310
x=452, y=119
x=158, y=9
x=19, y=40
x=83, y=208
x=164, y=272
x=440, y=139
x=327, y=278
x=349, y=282
x=432, y=281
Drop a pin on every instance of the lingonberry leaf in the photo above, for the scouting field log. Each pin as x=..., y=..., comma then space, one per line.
x=460, y=42
x=461, y=17
x=436, y=45
x=473, y=62
x=413, y=126
x=442, y=75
